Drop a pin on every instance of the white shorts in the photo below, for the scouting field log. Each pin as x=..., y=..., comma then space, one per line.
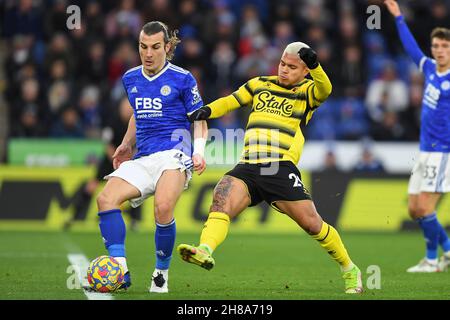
x=144, y=172
x=431, y=173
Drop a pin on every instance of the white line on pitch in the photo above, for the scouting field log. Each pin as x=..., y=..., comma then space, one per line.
x=82, y=262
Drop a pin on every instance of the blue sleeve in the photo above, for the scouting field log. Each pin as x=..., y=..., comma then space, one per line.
x=408, y=41
x=126, y=90
x=191, y=96
x=124, y=84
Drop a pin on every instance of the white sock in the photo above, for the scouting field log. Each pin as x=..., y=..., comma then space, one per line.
x=123, y=263
x=164, y=272
x=432, y=261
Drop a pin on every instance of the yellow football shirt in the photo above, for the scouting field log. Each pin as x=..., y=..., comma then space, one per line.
x=278, y=115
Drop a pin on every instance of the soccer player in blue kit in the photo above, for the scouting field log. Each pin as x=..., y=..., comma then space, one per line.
x=430, y=176
x=162, y=96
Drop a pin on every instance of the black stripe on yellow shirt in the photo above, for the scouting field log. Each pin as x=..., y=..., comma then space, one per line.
x=262, y=155
x=297, y=115
x=307, y=110
x=257, y=142
x=236, y=96
x=319, y=101
x=267, y=125
x=273, y=80
x=247, y=87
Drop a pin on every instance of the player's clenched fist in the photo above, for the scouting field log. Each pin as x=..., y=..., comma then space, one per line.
x=123, y=153
x=309, y=57
x=199, y=163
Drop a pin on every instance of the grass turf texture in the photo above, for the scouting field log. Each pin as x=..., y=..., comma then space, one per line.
x=34, y=265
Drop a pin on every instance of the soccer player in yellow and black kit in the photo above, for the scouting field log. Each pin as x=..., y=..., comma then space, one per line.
x=281, y=106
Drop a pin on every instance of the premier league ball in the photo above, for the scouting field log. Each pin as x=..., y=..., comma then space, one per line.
x=105, y=274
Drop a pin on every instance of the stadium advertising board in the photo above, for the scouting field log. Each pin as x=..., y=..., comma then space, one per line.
x=43, y=198
x=54, y=152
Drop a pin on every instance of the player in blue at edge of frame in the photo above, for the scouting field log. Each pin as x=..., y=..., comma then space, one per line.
x=431, y=173
x=161, y=95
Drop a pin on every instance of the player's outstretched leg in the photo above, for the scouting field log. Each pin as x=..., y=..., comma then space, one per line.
x=213, y=234
x=229, y=199
x=304, y=213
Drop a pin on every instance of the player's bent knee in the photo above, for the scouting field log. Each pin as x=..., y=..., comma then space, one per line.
x=313, y=223
x=308, y=230
x=423, y=210
x=413, y=212
x=313, y=227
x=105, y=201
x=420, y=212
x=413, y=209
x=316, y=228
x=163, y=211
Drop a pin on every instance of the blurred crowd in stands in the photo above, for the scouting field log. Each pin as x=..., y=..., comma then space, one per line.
x=67, y=83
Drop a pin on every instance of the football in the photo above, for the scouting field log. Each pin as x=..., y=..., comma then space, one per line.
x=105, y=274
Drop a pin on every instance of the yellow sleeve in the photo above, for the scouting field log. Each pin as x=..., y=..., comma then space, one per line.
x=241, y=97
x=321, y=88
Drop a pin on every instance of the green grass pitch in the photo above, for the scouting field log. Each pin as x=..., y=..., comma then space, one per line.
x=34, y=265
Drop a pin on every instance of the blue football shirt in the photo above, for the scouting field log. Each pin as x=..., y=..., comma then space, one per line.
x=435, y=114
x=161, y=103
x=435, y=117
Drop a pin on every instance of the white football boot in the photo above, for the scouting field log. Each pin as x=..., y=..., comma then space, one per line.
x=444, y=263
x=424, y=266
x=160, y=279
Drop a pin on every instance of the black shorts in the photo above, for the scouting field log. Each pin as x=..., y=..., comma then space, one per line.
x=265, y=182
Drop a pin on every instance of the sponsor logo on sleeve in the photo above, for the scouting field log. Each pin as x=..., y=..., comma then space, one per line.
x=196, y=98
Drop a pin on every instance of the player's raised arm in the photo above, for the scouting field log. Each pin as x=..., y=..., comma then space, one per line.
x=322, y=84
x=408, y=41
